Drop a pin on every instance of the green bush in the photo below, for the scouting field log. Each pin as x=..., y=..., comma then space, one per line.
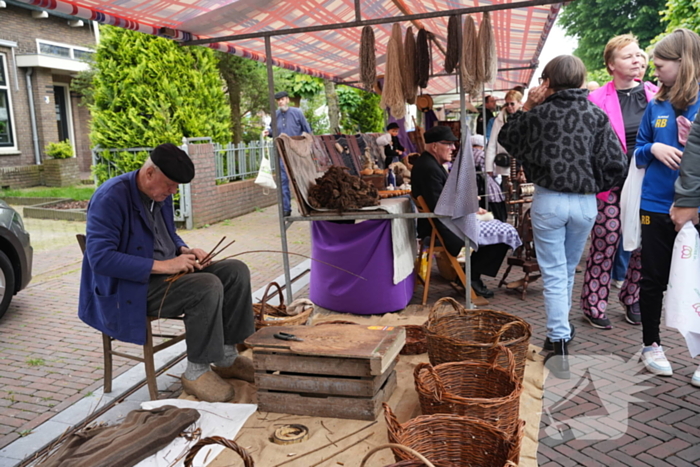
x=62, y=150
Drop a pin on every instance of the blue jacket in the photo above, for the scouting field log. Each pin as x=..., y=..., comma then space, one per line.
x=292, y=122
x=118, y=259
x=659, y=126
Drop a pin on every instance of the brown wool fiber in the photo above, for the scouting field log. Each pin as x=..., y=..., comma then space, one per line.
x=408, y=65
x=469, y=62
x=454, y=43
x=422, y=59
x=392, y=93
x=339, y=190
x=368, y=59
x=487, y=46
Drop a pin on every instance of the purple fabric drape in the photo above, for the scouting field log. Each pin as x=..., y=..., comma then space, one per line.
x=364, y=249
x=429, y=119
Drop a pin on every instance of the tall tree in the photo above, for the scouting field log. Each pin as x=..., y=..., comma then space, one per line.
x=682, y=14
x=594, y=22
x=149, y=90
x=333, y=107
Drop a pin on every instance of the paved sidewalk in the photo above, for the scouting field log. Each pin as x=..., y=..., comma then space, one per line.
x=650, y=421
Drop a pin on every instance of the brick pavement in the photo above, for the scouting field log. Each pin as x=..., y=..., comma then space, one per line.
x=659, y=427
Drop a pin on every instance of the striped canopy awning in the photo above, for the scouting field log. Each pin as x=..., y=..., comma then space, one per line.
x=322, y=37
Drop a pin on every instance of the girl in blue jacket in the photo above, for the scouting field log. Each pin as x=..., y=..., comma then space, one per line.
x=658, y=149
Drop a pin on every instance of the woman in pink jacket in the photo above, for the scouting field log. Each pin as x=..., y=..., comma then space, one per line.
x=624, y=100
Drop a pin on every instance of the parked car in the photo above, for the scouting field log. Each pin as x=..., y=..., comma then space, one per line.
x=15, y=256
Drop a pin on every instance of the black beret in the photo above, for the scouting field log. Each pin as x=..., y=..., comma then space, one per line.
x=173, y=162
x=281, y=94
x=439, y=133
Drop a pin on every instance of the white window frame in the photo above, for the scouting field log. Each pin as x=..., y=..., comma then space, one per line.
x=13, y=120
x=71, y=49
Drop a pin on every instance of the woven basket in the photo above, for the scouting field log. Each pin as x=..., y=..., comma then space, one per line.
x=462, y=334
x=247, y=459
x=416, y=342
x=422, y=462
x=268, y=315
x=475, y=390
x=453, y=439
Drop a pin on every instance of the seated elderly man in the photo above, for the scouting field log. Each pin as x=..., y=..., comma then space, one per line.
x=428, y=178
x=132, y=248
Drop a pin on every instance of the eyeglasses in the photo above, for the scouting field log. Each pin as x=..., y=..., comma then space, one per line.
x=447, y=143
x=511, y=104
x=541, y=79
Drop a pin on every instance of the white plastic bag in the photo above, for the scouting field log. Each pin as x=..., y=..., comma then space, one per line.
x=682, y=301
x=630, y=201
x=265, y=178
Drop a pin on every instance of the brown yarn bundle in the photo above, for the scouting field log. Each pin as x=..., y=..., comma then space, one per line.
x=339, y=190
x=410, y=90
x=422, y=59
x=487, y=47
x=392, y=94
x=368, y=59
x=469, y=62
x=454, y=43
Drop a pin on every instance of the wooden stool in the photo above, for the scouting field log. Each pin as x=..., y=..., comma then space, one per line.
x=148, y=348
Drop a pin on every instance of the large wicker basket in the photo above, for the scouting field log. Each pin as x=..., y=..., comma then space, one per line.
x=456, y=440
x=247, y=459
x=416, y=342
x=476, y=390
x=268, y=315
x=468, y=335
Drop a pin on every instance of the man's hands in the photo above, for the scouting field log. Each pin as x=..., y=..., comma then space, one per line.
x=680, y=216
x=668, y=155
x=189, y=260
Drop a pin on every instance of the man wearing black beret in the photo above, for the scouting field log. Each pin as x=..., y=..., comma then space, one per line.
x=132, y=248
x=428, y=177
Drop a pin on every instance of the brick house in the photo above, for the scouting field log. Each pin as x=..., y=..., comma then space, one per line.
x=40, y=53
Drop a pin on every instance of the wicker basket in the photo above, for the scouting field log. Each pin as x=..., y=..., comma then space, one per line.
x=469, y=335
x=454, y=439
x=475, y=390
x=416, y=342
x=247, y=459
x=421, y=462
x=268, y=315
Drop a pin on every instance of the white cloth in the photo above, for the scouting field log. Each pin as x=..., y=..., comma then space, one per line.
x=402, y=234
x=682, y=301
x=216, y=419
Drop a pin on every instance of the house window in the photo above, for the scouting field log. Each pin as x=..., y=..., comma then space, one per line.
x=6, y=139
x=56, y=49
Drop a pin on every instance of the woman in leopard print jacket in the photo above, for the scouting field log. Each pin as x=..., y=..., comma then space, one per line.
x=570, y=152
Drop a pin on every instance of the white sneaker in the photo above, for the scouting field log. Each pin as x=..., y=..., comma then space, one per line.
x=655, y=361
x=617, y=284
x=696, y=378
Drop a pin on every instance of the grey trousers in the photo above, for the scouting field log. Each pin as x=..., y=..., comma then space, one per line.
x=217, y=303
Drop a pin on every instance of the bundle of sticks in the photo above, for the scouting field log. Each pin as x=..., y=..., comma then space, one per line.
x=210, y=256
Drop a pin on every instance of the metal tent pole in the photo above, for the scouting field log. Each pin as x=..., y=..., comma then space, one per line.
x=484, y=174
x=278, y=168
x=467, y=243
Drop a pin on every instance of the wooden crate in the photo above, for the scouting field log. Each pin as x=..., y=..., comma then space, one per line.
x=355, y=408
x=338, y=371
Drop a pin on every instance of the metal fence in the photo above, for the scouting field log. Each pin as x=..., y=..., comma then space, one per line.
x=240, y=161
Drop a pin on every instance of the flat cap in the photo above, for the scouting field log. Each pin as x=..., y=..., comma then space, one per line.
x=281, y=94
x=173, y=162
x=439, y=133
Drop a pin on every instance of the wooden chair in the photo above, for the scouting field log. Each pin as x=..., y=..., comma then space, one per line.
x=432, y=249
x=148, y=348
x=524, y=257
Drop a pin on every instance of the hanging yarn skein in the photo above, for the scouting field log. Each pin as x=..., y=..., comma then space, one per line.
x=454, y=43
x=410, y=90
x=368, y=59
x=469, y=62
x=487, y=46
x=422, y=59
x=392, y=93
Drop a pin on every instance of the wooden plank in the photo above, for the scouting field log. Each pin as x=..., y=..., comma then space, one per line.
x=287, y=361
x=379, y=344
x=336, y=407
x=322, y=385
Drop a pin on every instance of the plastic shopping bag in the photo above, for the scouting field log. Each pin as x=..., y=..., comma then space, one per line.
x=630, y=201
x=682, y=301
x=265, y=178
